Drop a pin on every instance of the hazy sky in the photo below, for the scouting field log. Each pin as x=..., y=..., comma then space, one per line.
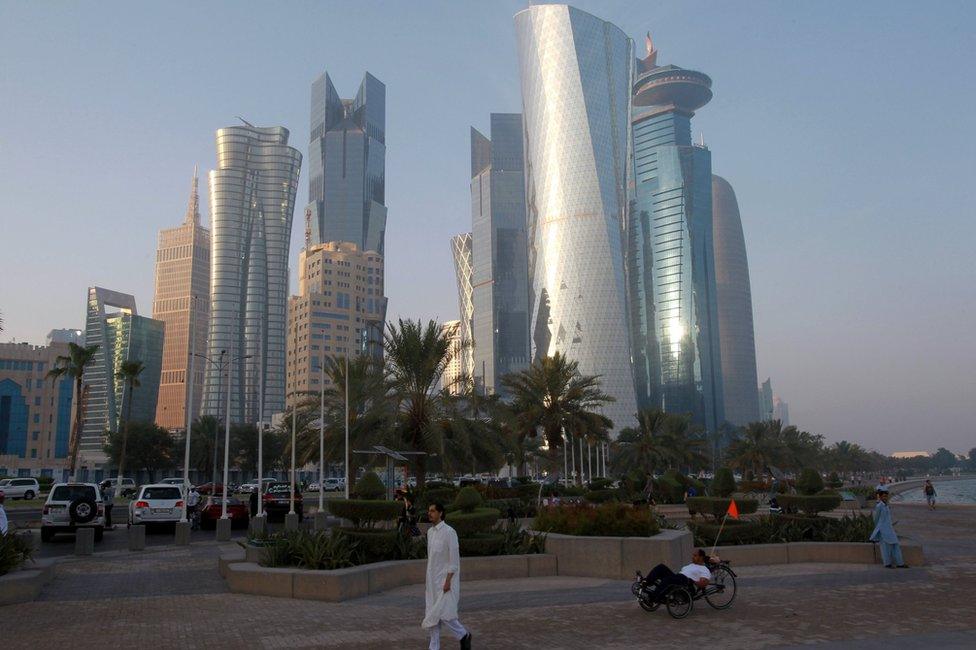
x=846, y=129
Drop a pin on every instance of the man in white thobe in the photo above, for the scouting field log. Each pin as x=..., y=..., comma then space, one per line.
x=443, y=581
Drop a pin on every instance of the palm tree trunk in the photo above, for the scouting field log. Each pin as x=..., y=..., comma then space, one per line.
x=125, y=441
x=75, y=432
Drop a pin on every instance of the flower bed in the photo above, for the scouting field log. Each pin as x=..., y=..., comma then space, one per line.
x=778, y=529
x=606, y=519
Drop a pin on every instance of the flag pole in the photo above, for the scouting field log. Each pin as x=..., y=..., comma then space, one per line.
x=719, y=534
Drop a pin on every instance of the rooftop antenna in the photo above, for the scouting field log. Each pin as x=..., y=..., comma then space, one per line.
x=245, y=121
x=701, y=138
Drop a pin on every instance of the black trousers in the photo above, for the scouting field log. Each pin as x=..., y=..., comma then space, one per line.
x=665, y=577
x=108, y=515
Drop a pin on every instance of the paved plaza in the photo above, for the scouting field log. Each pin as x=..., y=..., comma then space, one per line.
x=173, y=597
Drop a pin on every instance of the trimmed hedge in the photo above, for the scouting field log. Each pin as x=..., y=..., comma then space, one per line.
x=601, y=496
x=734, y=531
x=810, y=504
x=606, y=519
x=370, y=487
x=723, y=485
x=467, y=524
x=441, y=495
x=481, y=544
x=718, y=506
x=468, y=499
x=810, y=482
x=372, y=545
x=364, y=513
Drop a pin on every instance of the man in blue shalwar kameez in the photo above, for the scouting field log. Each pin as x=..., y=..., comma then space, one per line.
x=884, y=533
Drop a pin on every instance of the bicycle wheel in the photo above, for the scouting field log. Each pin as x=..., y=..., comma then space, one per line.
x=647, y=603
x=679, y=602
x=721, y=592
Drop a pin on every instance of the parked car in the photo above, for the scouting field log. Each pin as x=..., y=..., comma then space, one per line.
x=128, y=486
x=213, y=507
x=20, y=488
x=182, y=482
x=252, y=486
x=70, y=506
x=336, y=484
x=160, y=503
x=210, y=488
x=277, y=501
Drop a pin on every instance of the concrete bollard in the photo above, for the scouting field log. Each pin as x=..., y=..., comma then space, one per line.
x=291, y=521
x=259, y=525
x=84, y=541
x=223, y=530
x=137, y=538
x=182, y=531
x=321, y=519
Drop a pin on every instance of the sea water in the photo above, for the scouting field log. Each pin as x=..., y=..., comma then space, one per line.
x=951, y=492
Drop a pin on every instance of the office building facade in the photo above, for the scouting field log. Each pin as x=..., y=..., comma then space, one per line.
x=736, y=333
x=461, y=251
x=182, y=301
x=336, y=314
x=454, y=380
x=576, y=73
x=671, y=267
x=500, y=266
x=121, y=335
x=66, y=336
x=35, y=411
x=252, y=203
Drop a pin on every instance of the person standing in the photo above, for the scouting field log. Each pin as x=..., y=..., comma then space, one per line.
x=108, y=499
x=443, y=581
x=192, y=501
x=3, y=515
x=884, y=533
x=929, y=490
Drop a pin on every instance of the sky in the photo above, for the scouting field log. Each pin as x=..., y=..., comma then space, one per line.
x=846, y=129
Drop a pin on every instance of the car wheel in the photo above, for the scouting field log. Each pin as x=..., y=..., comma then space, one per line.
x=28, y=495
x=47, y=534
x=98, y=533
x=82, y=511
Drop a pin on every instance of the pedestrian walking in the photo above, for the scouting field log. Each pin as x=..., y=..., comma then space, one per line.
x=443, y=581
x=192, y=501
x=929, y=494
x=3, y=515
x=884, y=533
x=108, y=499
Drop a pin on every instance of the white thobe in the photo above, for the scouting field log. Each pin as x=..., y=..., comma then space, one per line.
x=443, y=557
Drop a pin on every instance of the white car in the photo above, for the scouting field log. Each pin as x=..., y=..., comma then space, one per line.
x=20, y=488
x=71, y=506
x=181, y=482
x=159, y=503
x=128, y=485
x=335, y=484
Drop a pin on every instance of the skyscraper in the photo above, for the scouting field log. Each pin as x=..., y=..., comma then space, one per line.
x=182, y=301
x=736, y=335
x=453, y=378
x=252, y=201
x=347, y=171
x=463, y=269
x=500, y=325
x=781, y=411
x=671, y=267
x=576, y=75
x=121, y=335
x=766, y=400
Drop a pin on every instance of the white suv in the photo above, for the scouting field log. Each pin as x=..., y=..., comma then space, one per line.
x=157, y=504
x=20, y=488
x=71, y=506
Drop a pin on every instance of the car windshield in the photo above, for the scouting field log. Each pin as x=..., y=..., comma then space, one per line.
x=169, y=493
x=72, y=492
x=5, y=481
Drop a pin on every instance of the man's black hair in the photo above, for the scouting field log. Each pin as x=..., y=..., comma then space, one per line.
x=701, y=553
x=439, y=507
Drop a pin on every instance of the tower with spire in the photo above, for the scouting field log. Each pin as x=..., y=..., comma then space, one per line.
x=182, y=300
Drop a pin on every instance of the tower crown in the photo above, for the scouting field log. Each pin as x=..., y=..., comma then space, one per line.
x=670, y=87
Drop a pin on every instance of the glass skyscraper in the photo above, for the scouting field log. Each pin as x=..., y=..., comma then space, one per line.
x=500, y=275
x=736, y=332
x=576, y=73
x=252, y=202
x=671, y=265
x=463, y=268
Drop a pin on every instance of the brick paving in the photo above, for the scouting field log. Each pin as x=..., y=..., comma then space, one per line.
x=173, y=597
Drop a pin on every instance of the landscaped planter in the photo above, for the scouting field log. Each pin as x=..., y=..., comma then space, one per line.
x=24, y=584
x=829, y=552
x=356, y=582
x=618, y=557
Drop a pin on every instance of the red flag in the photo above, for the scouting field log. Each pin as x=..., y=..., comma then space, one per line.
x=733, y=510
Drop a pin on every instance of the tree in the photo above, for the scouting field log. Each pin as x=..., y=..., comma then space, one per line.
x=201, y=443
x=244, y=447
x=73, y=366
x=972, y=458
x=943, y=459
x=643, y=449
x=147, y=447
x=756, y=449
x=552, y=395
x=128, y=372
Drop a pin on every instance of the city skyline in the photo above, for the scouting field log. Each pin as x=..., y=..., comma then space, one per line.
x=826, y=343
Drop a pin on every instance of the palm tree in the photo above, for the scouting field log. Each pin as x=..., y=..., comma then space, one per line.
x=128, y=372
x=758, y=448
x=643, y=449
x=687, y=442
x=73, y=366
x=417, y=356
x=552, y=395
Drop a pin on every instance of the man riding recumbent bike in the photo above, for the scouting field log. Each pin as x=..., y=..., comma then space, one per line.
x=708, y=578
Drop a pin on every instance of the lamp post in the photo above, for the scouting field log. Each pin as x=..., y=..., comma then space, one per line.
x=219, y=361
x=347, y=424
x=322, y=425
x=189, y=407
x=230, y=383
x=260, y=512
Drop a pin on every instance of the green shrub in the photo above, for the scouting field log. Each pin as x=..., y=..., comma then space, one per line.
x=528, y=491
x=519, y=541
x=717, y=507
x=481, y=544
x=439, y=495
x=600, y=484
x=323, y=551
x=723, y=485
x=372, y=545
x=364, y=513
x=753, y=486
x=479, y=520
x=669, y=488
x=468, y=499
x=370, y=487
x=734, y=531
x=601, y=496
x=14, y=551
x=834, y=481
x=810, y=504
x=439, y=485
x=606, y=519
x=810, y=482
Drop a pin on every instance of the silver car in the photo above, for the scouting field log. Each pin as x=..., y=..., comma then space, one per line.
x=160, y=503
x=71, y=506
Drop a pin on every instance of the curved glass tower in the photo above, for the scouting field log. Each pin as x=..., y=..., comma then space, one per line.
x=576, y=82
x=735, y=327
x=252, y=201
x=670, y=259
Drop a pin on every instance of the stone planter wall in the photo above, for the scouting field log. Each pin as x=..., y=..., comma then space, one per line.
x=830, y=552
x=618, y=557
x=25, y=584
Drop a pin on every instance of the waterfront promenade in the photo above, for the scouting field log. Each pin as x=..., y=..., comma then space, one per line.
x=173, y=597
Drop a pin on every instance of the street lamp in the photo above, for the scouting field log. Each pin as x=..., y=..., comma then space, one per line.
x=322, y=425
x=223, y=509
x=219, y=361
x=189, y=408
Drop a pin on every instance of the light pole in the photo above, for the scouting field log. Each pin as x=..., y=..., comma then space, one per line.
x=260, y=512
x=322, y=425
x=220, y=376
x=189, y=407
x=565, y=456
x=294, y=424
x=347, y=424
x=230, y=383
